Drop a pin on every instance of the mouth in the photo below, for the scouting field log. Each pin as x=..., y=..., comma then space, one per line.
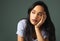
x=34, y=20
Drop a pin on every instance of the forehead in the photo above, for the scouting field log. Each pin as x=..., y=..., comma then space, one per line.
x=38, y=8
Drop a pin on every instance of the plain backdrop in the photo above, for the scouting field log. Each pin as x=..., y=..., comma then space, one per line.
x=11, y=11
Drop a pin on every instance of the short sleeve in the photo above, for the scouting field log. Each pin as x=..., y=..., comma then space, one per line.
x=20, y=27
x=44, y=34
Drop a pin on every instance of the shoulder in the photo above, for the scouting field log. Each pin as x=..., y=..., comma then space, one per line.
x=20, y=27
x=22, y=23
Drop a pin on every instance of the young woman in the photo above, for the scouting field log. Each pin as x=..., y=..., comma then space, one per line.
x=37, y=26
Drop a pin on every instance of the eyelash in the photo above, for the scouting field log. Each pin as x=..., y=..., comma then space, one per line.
x=33, y=12
x=40, y=14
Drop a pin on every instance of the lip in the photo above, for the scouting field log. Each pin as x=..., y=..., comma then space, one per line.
x=34, y=20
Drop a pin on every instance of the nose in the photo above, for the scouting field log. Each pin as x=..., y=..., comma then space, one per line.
x=35, y=16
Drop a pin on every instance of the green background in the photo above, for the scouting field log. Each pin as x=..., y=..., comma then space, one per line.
x=11, y=11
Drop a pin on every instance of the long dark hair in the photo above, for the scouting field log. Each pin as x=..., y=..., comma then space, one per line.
x=48, y=26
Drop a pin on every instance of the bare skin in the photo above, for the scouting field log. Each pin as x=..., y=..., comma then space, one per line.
x=38, y=32
x=37, y=18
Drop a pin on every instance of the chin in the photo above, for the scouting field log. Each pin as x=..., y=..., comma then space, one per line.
x=34, y=23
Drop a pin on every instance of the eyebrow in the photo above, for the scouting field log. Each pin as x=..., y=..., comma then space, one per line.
x=33, y=10
x=38, y=12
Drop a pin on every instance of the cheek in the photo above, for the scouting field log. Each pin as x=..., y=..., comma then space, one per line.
x=31, y=15
x=39, y=18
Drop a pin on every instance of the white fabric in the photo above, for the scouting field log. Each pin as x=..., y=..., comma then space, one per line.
x=21, y=26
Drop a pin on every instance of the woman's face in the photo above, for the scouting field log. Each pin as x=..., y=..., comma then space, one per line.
x=36, y=14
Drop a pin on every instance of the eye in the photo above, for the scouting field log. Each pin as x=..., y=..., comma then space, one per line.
x=33, y=12
x=40, y=14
